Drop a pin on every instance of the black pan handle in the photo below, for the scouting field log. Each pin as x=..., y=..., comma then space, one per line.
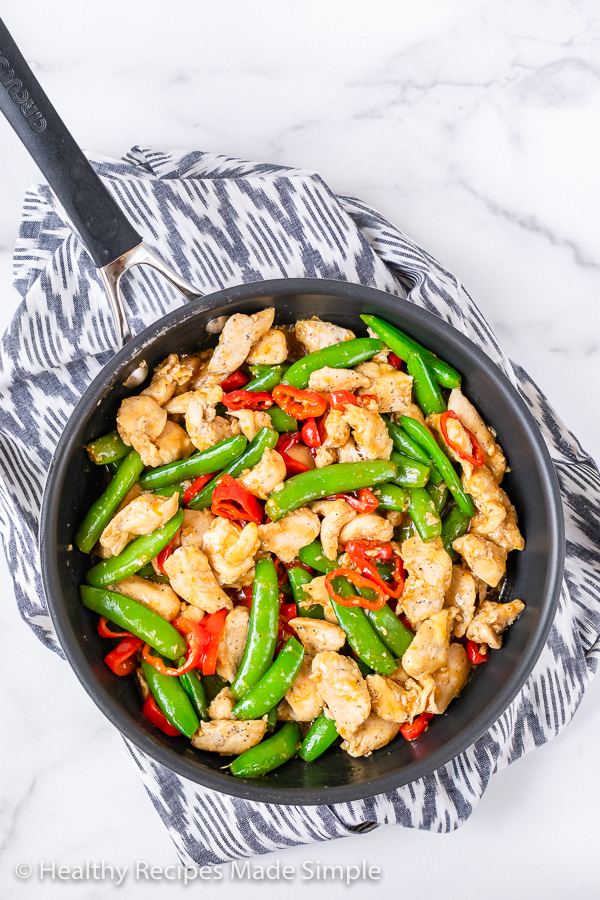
x=100, y=223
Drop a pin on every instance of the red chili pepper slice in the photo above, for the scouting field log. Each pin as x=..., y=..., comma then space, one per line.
x=214, y=626
x=105, y=632
x=196, y=642
x=395, y=361
x=361, y=555
x=406, y=622
x=477, y=459
x=360, y=582
x=166, y=552
x=281, y=571
x=247, y=400
x=287, y=441
x=310, y=433
x=232, y=501
x=288, y=611
x=154, y=714
x=477, y=653
x=365, y=502
x=321, y=428
x=196, y=487
x=293, y=466
x=121, y=660
x=300, y=565
x=375, y=549
x=341, y=399
x=299, y=404
x=234, y=382
x=411, y=731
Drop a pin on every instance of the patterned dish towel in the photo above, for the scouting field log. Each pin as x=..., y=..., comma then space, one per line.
x=219, y=222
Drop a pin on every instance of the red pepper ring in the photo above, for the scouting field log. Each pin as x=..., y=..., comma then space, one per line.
x=293, y=466
x=369, y=570
x=152, y=711
x=214, y=625
x=287, y=441
x=477, y=653
x=374, y=549
x=232, y=501
x=358, y=581
x=105, y=632
x=341, y=399
x=310, y=433
x=478, y=458
x=257, y=400
x=166, y=552
x=196, y=640
x=196, y=486
x=411, y=731
x=299, y=404
x=234, y=382
x=365, y=502
x=121, y=660
x=395, y=361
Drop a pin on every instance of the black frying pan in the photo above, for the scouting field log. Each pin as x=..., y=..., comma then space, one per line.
x=534, y=575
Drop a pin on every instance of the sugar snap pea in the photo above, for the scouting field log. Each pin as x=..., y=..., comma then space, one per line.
x=403, y=443
x=274, y=684
x=213, y=685
x=320, y=736
x=264, y=440
x=266, y=380
x=101, y=512
x=365, y=642
x=113, y=467
x=439, y=495
x=136, y=618
x=215, y=458
x=269, y=754
x=454, y=526
x=313, y=555
x=175, y=704
x=410, y=472
x=403, y=346
x=422, y=511
x=298, y=577
x=135, y=555
x=406, y=532
x=318, y=483
x=281, y=421
x=262, y=629
x=192, y=685
x=272, y=718
x=339, y=356
x=391, y=496
x=425, y=387
x=107, y=449
x=390, y=629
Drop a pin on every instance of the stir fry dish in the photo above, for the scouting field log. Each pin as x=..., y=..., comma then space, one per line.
x=303, y=539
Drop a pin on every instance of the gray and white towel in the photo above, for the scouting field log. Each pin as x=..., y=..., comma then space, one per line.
x=222, y=221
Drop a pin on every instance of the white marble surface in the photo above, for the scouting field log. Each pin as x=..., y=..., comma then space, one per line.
x=474, y=126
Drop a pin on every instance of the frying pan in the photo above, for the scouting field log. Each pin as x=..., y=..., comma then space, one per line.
x=534, y=575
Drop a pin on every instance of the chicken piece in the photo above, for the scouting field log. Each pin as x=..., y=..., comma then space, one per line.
x=485, y=559
x=236, y=339
x=203, y=425
x=349, y=452
x=232, y=642
x=286, y=537
x=317, y=635
x=392, y=388
x=491, y=511
x=229, y=737
x=196, y=523
x=451, y=678
x=429, y=570
x=494, y=457
x=230, y=549
x=337, y=431
x=285, y=713
x=192, y=613
x=178, y=405
x=142, y=683
x=317, y=593
x=327, y=379
x=190, y=366
x=491, y=620
x=261, y=480
x=220, y=706
x=159, y=597
x=336, y=514
x=459, y=437
x=249, y=421
x=414, y=413
x=325, y=456
x=303, y=697
x=373, y=734
x=140, y=421
x=369, y=432
x=368, y=526
x=269, y=350
x=507, y=534
x=394, y=517
x=171, y=445
x=344, y=690
x=400, y=703
x=462, y=595
x=429, y=648
x=167, y=377
x=193, y=579
x=142, y=516
x=314, y=334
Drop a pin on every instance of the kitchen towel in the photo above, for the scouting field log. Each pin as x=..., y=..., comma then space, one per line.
x=221, y=221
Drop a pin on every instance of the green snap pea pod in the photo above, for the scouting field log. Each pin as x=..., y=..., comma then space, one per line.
x=425, y=386
x=365, y=642
x=390, y=629
x=406, y=532
x=113, y=467
x=192, y=685
x=429, y=443
x=272, y=718
x=280, y=420
x=148, y=572
x=107, y=449
x=262, y=368
x=216, y=457
x=339, y=356
x=175, y=704
x=264, y=440
x=298, y=577
x=262, y=630
x=136, y=618
x=320, y=736
x=101, y=512
x=274, y=684
x=171, y=489
x=391, y=496
x=423, y=513
x=135, y=555
x=213, y=685
x=439, y=495
x=336, y=479
x=403, y=346
x=269, y=754
x=364, y=668
x=435, y=477
x=454, y=526
x=267, y=380
x=313, y=555
x=405, y=444
x=410, y=472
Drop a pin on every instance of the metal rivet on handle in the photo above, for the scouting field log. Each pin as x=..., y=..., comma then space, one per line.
x=137, y=376
x=216, y=326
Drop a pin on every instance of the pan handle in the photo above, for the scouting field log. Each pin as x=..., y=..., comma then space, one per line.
x=102, y=226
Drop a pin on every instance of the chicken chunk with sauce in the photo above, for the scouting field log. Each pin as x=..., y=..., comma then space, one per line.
x=316, y=593
x=491, y=620
x=317, y=635
x=507, y=534
x=451, y=678
x=250, y=421
x=367, y=526
x=373, y=734
x=220, y=706
x=369, y=432
x=400, y=703
x=327, y=379
x=492, y=452
x=142, y=516
x=269, y=350
x=140, y=421
x=485, y=559
x=286, y=537
x=314, y=334
x=203, y=425
x=429, y=570
x=196, y=523
x=193, y=579
x=391, y=387
x=462, y=595
x=429, y=648
x=344, y=690
x=303, y=697
x=159, y=597
x=232, y=642
x=173, y=373
x=238, y=336
x=229, y=737
x=487, y=496
x=336, y=514
x=262, y=479
x=230, y=549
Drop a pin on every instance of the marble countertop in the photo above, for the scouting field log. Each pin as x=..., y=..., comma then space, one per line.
x=472, y=124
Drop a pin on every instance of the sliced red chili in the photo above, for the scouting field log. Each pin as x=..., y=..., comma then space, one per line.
x=300, y=565
x=214, y=626
x=477, y=459
x=321, y=428
x=395, y=361
x=196, y=487
x=365, y=502
x=293, y=466
x=281, y=571
x=361, y=555
x=406, y=622
x=288, y=611
x=375, y=549
x=299, y=404
x=341, y=399
x=310, y=433
x=105, y=632
x=358, y=581
x=477, y=653
x=232, y=501
x=166, y=552
x=256, y=400
x=287, y=441
x=411, y=731
x=121, y=659
x=234, y=382
x=154, y=714
x=196, y=642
